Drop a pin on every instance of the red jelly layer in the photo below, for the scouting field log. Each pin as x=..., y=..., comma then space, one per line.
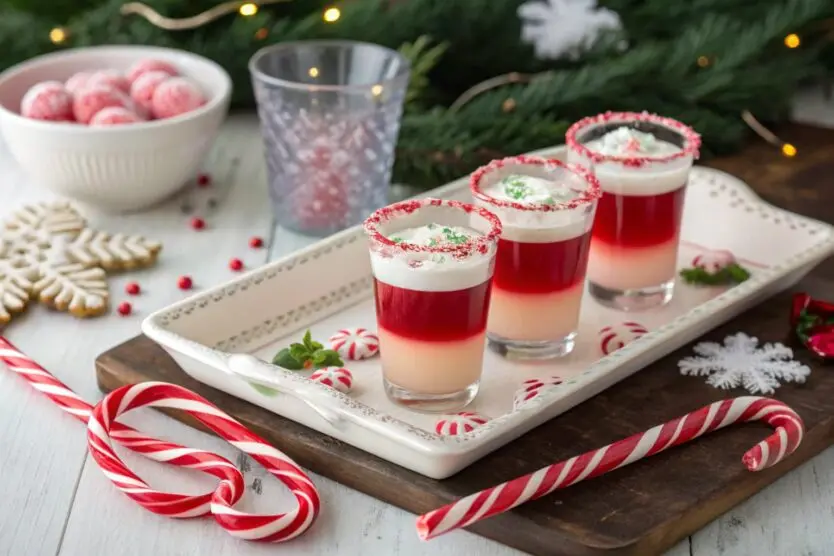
x=541, y=267
x=638, y=221
x=432, y=316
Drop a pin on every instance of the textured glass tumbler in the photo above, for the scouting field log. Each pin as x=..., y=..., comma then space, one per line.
x=330, y=113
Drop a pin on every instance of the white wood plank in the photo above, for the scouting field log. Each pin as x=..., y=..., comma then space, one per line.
x=791, y=517
x=42, y=449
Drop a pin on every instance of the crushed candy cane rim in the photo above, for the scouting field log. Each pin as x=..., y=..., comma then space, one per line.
x=481, y=244
x=691, y=139
x=591, y=193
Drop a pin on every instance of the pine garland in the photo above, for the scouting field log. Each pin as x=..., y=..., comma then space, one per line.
x=454, y=45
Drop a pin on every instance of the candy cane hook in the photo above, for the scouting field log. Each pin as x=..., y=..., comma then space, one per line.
x=102, y=427
x=506, y=496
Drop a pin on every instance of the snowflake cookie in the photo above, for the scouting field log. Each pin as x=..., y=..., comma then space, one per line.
x=355, y=343
x=337, y=378
x=48, y=253
x=741, y=362
x=534, y=388
x=616, y=336
x=459, y=423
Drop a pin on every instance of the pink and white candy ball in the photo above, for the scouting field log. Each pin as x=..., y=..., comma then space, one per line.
x=149, y=89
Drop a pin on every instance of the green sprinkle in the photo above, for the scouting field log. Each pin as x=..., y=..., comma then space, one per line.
x=549, y=201
x=515, y=187
x=396, y=239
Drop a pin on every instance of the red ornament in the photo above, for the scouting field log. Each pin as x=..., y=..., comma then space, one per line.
x=132, y=288
x=236, y=264
x=256, y=242
x=124, y=308
x=198, y=223
x=813, y=323
x=185, y=283
x=203, y=180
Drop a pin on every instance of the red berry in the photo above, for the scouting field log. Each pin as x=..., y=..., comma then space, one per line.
x=256, y=242
x=132, y=288
x=236, y=264
x=124, y=308
x=198, y=223
x=203, y=180
x=185, y=283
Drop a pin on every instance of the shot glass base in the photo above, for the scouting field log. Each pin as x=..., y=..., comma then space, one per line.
x=431, y=403
x=531, y=350
x=633, y=300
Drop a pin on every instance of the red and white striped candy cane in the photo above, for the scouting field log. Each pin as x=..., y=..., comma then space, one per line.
x=498, y=499
x=103, y=426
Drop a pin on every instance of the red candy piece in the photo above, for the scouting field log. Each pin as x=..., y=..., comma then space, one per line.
x=125, y=308
x=236, y=264
x=132, y=288
x=185, y=283
x=198, y=223
x=115, y=115
x=144, y=86
x=77, y=82
x=148, y=65
x=203, y=180
x=256, y=242
x=110, y=78
x=176, y=96
x=47, y=101
x=91, y=100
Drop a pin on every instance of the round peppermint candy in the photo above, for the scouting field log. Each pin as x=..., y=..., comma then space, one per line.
x=714, y=261
x=616, y=336
x=533, y=388
x=337, y=378
x=459, y=423
x=355, y=343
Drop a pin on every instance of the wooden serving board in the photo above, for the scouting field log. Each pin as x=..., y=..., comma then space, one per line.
x=643, y=509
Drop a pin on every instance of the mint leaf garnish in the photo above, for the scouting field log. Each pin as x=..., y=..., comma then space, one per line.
x=308, y=354
x=731, y=274
x=287, y=361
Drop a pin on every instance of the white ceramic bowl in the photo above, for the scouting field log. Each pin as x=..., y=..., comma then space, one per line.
x=120, y=168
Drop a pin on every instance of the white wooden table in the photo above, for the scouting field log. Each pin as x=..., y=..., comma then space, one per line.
x=56, y=501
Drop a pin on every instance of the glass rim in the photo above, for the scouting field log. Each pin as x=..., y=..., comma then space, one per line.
x=592, y=191
x=691, y=139
x=402, y=72
x=477, y=244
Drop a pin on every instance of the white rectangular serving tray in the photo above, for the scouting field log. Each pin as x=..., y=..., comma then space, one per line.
x=225, y=336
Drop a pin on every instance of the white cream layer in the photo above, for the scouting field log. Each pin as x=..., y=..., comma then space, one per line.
x=432, y=271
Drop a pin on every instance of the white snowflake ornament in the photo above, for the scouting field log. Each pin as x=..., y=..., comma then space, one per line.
x=564, y=28
x=741, y=362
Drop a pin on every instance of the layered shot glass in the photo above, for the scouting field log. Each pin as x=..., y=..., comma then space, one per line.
x=546, y=208
x=642, y=162
x=432, y=262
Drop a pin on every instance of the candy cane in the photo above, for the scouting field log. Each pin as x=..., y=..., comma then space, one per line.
x=102, y=426
x=504, y=497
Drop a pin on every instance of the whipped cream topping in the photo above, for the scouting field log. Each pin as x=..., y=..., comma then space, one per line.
x=529, y=190
x=434, y=235
x=626, y=141
x=432, y=271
